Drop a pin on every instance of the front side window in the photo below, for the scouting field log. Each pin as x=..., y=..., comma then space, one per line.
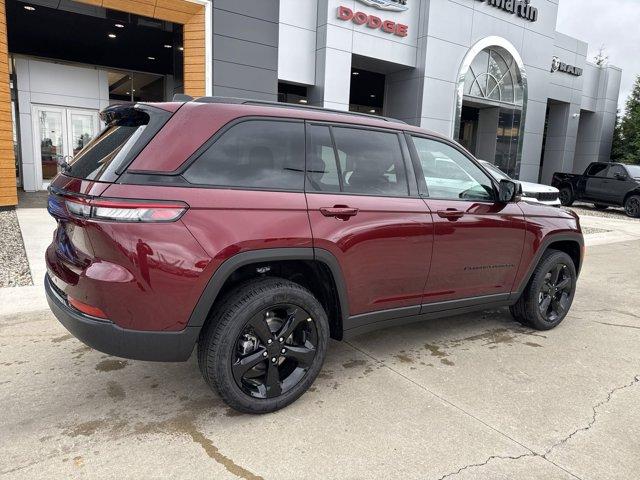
x=616, y=171
x=449, y=174
x=371, y=162
x=265, y=154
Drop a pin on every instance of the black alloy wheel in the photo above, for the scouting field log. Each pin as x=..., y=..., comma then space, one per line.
x=264, y=344
x=548, y=296
x=566, y=196
x=555, y=293
x=275, y=351
x=632, y=206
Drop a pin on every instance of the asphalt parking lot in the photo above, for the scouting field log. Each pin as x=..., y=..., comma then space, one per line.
x=475, y=396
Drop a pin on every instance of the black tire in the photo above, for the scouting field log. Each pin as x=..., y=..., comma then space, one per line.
x=530, y=308
x=599, y=206
x=566, y=196
x=632, y=206
x=226, y=332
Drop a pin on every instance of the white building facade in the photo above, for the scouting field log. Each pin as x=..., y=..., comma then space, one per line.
x=493, y=74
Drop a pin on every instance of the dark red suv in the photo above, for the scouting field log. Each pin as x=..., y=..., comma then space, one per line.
x=257, y=231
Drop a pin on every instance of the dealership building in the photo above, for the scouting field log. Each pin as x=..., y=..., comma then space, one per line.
x=493, y=74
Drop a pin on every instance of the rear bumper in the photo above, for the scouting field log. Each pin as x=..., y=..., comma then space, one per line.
x=107, y=337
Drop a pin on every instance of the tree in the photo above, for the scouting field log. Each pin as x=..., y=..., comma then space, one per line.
x=629, y=130
x=617, y=148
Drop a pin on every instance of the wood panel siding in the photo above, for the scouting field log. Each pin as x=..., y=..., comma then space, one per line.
x=8, y=188
x=190, y=15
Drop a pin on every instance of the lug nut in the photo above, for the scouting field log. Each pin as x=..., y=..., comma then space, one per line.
x=284, y=350
x=264, y=354
x=281, y=339
x=269, y=341
x=274, y=359
x=309, y=319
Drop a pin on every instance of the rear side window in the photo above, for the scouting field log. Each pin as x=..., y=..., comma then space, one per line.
x=368, y=162
x=598, y=170
x=265, y=154
x=128, y=131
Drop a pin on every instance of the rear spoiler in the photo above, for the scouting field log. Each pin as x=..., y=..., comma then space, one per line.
x=124, y=114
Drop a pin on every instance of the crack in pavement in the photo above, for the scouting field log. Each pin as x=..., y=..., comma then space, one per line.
x=492, y=457
x=595, y=408
x=531, y=453
x=555, y=445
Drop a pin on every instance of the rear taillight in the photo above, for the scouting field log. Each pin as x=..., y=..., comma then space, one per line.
x=126, y=210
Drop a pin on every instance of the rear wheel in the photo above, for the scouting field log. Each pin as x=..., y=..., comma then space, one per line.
x=549, y=294
x=632, y=206
x=566, y=196
x=264, y=345
x=599, y=206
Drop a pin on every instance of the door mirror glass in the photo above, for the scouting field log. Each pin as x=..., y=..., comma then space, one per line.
x=509, y=190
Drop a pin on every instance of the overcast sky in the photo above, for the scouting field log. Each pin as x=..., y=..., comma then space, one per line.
x=612, y=23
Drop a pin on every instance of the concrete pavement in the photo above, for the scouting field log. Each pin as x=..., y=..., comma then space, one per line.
x=469, y=397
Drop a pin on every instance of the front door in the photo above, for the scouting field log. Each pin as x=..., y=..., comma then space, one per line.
x=596, y=182
x=361, y=211
x=477, y=241
x=59, y=133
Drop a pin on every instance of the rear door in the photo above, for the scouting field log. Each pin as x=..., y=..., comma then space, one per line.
x=478, y=241
x=362, y=211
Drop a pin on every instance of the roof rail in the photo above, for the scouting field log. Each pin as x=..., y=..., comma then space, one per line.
x=248, y=101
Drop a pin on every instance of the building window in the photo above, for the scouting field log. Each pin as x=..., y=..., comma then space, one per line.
x=494, y=75
x=290, y=93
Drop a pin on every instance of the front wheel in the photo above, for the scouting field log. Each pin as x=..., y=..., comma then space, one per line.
x=566, y=196
x=549, y=294
x=632, y=206
x=264, y=345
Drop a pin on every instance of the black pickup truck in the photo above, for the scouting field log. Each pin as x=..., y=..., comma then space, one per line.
x=604, y=185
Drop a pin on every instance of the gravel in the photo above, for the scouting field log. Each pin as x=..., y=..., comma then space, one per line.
x=611, y=212
x=14, y=267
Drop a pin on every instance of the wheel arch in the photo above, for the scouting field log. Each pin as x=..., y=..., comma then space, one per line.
x=571, y=244
x=316, y=269
x=635, y=191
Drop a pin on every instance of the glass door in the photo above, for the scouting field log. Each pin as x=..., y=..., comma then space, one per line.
x=59, y=134
x=82, y=127
x=49, y=139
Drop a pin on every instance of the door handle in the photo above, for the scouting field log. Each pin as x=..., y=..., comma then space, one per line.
x=342, y=212
x=450, y=214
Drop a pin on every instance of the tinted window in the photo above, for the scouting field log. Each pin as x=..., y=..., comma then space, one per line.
x=598, y=170
x=370, y=162
x=451, y=175
x=322, y=170
x=615, y=171
x=254, y=154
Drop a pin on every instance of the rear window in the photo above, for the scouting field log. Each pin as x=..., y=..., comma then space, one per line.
x=128, y=131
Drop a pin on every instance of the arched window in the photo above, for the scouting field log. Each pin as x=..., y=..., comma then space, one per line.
x=494, y=75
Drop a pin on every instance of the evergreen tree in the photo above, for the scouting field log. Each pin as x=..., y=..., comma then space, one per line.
x=617, y=149
x=630, y=127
